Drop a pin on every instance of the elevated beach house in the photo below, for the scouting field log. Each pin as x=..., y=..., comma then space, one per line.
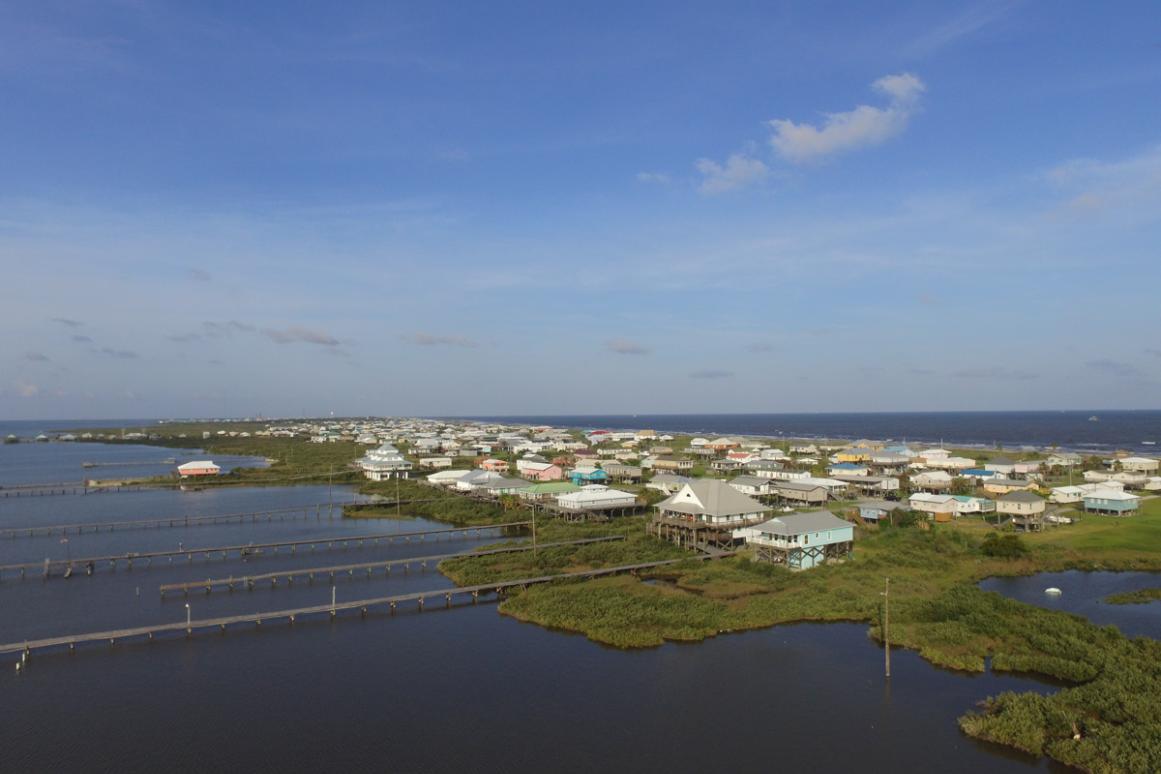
x=1117, y=502
x=800, y=540
x=705, y=512
x=383, y=463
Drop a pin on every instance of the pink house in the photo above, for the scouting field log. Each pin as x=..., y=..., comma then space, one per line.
x=540, y=471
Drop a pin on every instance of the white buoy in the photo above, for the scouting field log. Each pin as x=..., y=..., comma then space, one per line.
x=1053, y=591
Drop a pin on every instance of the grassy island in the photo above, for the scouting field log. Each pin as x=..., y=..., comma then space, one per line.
x=1138, y=597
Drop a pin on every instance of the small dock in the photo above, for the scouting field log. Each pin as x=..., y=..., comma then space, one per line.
x=304, y=512
x=368, y=568
x=90, y=563
x=290, y=616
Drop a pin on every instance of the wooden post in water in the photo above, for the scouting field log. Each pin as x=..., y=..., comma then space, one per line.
x=887, y=625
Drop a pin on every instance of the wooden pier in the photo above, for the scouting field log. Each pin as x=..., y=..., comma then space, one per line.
x=364, y=606
x=255, y=517
x=90, y=563
x=309, y=573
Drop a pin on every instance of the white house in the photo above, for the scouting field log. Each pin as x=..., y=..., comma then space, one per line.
x=198, y=468
x=932, y=479
x=713, y=502
x=384, y=462
x=753, y=485
x=447, y=477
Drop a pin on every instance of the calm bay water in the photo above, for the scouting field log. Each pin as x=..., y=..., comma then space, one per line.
x=462, y=689
x=1084, y=594
x=1068, y=429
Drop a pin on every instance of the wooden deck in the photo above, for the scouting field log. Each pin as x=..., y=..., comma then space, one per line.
x=364, y=606
x=249, y=581
x=90, y=563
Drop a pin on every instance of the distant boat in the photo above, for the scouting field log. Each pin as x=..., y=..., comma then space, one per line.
x=1148, y=443
x=1094, y=418
x=1052, y=591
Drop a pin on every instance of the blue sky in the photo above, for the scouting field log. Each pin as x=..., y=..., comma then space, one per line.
x=230, y=208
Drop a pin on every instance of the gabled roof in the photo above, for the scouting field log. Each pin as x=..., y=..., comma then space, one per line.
x=801, y=523
x=711, y=497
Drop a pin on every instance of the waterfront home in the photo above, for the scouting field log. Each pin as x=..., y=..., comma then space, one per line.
x=1130, y=479
x=1020, y=504
x=932, y=481
x=667, y=483
x=1096, y=476
x=596, y=497
x=1116, y=502
x=940, y=507
x=703, y=512
x=383, y=463
x=539, y=471
x=800, y=492
x=723, y=444
x=1140, y=465
x=196, y=468
x=800, y=540
x=755, y=486
x=847, y=469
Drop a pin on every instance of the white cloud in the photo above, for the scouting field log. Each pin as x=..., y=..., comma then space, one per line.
x=1129, y=188
x=659, y=178
x=966, y=23
x=739, y=171
x=862, y=127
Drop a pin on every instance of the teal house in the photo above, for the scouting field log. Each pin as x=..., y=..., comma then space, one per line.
x=586, y=476
x=800, y=540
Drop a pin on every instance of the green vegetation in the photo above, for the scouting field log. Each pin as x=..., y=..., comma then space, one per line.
x=1138, y=597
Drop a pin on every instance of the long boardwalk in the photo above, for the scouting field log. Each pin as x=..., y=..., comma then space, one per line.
x=317, y=510
x=249, y=581
x=90, y=563
x=364, y=606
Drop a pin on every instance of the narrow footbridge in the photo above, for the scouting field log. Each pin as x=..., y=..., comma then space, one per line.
x=90, y=563
x=309, y=573
x=363, y=606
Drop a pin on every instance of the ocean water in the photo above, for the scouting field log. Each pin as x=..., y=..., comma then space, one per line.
x=1012, y=429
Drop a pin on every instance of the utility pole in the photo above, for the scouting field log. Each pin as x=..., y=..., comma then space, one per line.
x=534, y=530
x=887, y=625
x=397, y=506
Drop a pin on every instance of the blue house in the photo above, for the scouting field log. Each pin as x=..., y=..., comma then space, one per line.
x=800, y=540
x=1112, y=501
x=979, y=473
x=594, y=476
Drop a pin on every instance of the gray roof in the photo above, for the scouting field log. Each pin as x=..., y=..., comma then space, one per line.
x=797, y=486
x=1022, y=497
x=801, y=523
x=751, y=481
x=717, y=498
